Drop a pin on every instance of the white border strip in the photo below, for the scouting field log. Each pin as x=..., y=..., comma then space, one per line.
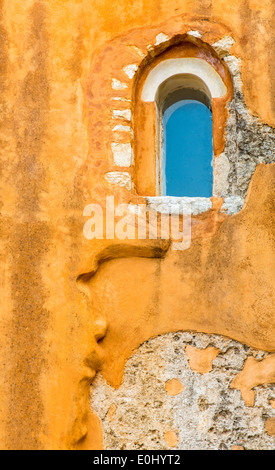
x=171, y=67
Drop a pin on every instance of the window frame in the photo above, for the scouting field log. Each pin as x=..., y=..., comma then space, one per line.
x=147, y=116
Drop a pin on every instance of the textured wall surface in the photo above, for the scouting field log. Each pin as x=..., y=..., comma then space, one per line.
x=205, y=413
x=248, y=143
x=61, y=97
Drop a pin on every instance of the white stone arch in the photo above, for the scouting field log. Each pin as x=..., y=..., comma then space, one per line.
x=189, y=66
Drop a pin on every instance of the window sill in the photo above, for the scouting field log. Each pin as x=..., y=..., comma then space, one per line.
x=192, y=205
x=179, y=205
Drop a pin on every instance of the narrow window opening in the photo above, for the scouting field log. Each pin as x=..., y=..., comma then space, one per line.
x=186, y=138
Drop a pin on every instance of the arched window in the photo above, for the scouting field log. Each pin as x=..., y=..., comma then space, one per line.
x=179, y=121
x=186, y=137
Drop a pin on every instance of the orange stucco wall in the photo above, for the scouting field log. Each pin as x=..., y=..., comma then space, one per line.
x=56, y=332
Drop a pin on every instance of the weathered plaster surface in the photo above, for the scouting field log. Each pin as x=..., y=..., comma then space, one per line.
x=210, y=296
x=161, y=306
x=232, y=204
x=248, y=142
x=253, y=374
x=60, y=76
x=206, y=414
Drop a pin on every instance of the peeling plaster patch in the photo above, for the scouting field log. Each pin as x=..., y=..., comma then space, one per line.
x=130, y=70
x=182, y=205
x=123, y=154
x=138, y=51
x=200, y=360
x=121, y=128
x=254, y=373
x=196, y=34
x=248, y=143
x=120, y=178
x=122, y=114
x=232, y=205
x=208, y=414
x=244, y=171
x=117, y=85
x=160, y=38
x=223, y=46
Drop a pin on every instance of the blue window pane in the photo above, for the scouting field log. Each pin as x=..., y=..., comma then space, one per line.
x=187, y=150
